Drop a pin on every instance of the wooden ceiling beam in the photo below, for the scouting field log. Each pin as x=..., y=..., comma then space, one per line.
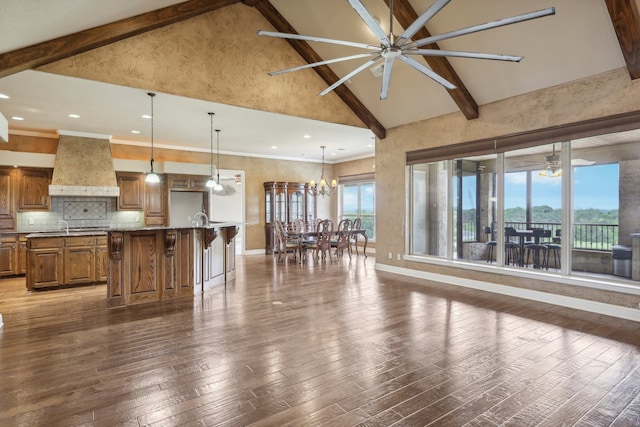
x=83, y=41
x=406, y=15
x=626, y=23
x=308, y=54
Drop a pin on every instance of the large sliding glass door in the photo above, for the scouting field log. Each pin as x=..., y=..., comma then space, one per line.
x=562, y=208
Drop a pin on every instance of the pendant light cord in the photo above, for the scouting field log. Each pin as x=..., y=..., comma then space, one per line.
x=151, y=94
x=218, y=150
x=211, y=147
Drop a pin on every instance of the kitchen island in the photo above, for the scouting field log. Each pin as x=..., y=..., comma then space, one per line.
x=158, y=263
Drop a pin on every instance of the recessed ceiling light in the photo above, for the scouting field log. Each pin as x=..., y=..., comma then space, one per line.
x=307, y=136
x=274, y=147
x=17, y=118
x=74, y=116
x=369, y=145
x=146, y=116
x=3, y=96
x=135, y=131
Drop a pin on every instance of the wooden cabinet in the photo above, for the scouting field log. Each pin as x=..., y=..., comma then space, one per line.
x=69, y=260
x=102, y=259
x=22, y=189
x=79, y=260
x=8, y=259
x=155, y=202
x=46, y=260
x=187, y=182
x=33, y=189
x=7, y=199
x=22, y=254
x=13, y=254
x=131, y=186
x=286, y=202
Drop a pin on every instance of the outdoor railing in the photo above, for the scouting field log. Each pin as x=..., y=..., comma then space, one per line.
x=600, y=237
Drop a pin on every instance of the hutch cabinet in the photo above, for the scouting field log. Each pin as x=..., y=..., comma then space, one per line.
x=286, y=202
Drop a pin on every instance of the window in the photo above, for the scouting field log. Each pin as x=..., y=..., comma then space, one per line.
x=557, y=208
x=357, y=200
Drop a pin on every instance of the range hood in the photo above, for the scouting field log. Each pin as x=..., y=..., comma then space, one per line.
x=83, y=166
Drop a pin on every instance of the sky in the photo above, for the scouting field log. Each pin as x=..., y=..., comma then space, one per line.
x=594, y=187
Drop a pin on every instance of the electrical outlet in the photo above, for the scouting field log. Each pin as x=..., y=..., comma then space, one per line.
x=32, y=221
x=390, y=255
x=398, y=255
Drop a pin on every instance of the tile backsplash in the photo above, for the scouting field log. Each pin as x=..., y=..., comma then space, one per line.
x=80, y=212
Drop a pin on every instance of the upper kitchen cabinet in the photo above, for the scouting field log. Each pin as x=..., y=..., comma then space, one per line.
x=131, y=191
x=7, y=199
x=187, y=182
x=33, y=189
x=155, y=202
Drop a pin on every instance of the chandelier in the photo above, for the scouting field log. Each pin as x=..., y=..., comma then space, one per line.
x=322, y=189
x=552, y=168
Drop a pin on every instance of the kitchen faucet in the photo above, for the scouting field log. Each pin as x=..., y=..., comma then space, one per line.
x=205, y=221
x=66, y=226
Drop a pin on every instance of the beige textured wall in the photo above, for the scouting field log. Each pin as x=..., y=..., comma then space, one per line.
x=216, y=57
x=598, y=96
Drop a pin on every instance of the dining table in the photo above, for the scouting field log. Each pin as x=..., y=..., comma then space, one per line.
x=311, y=234
x=525, y=236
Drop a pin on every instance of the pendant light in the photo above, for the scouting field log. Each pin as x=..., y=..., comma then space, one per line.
x=211, y=182
x=218, y=187
x=322, y=189
x=152, y=177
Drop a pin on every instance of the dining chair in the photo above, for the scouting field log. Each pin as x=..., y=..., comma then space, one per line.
x=356, y=224
x=286, y=243
x=322, y=244
x=342, y=240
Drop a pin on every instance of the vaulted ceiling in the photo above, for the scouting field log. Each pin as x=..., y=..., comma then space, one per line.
x=582, y=39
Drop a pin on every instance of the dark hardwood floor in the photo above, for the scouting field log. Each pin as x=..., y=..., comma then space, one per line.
x=319, y=344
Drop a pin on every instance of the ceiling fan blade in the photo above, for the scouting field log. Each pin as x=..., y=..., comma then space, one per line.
x=427, y=72
x=421, y=21
x=316, y=39
x=351, y=74
x=386, y=78
x=315, y=64
x=474, y=55
x=482, y=27
x=371, y=22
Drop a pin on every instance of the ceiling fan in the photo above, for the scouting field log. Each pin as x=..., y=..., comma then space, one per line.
x=402, y=48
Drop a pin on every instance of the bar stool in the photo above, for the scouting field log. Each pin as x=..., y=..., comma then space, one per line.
x=490, y=244
x=554, y=250
x=539, y=252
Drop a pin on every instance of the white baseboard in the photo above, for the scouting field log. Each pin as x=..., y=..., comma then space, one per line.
x=560, y=300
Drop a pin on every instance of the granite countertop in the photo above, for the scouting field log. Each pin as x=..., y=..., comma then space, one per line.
x=103, y=231
x=210, y=225
x=72, y=233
